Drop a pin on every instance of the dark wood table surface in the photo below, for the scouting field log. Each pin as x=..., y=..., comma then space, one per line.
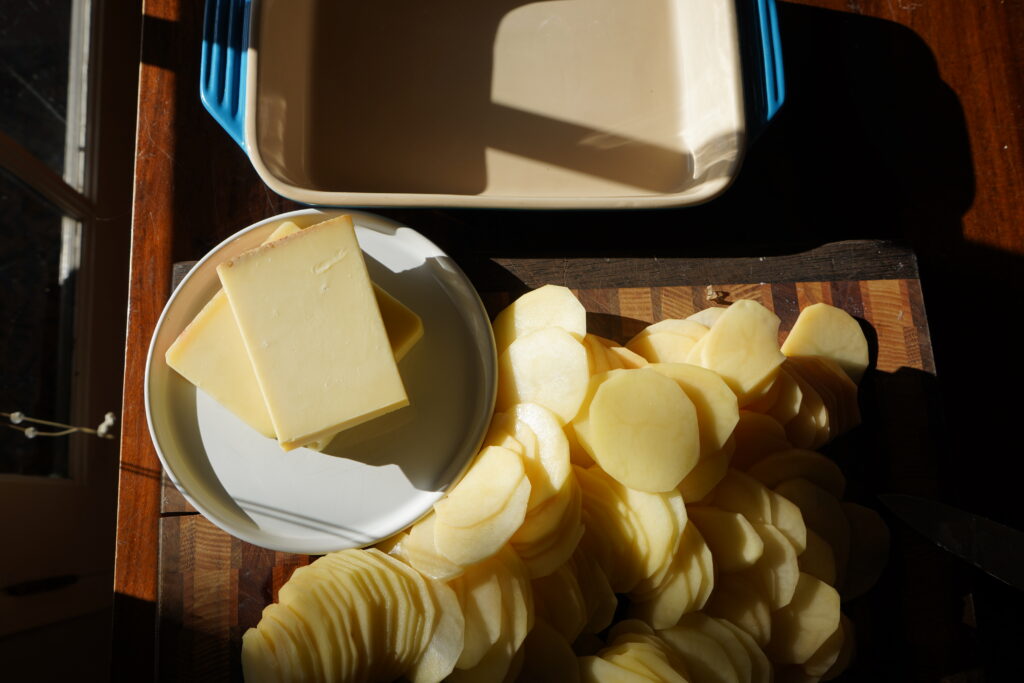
x=903, y=124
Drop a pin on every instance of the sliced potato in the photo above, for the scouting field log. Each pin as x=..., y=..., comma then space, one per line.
x=817, y=559
x=743, y=347
x=419, y=549
x=824, y=330
x=761, y=669
x=777, y=571
x=484, y=490
x=710, y=470
x=734, y=542
x=641, y=428
x=846, y=651
x=708, y=316
x=705, y=659
x=621, y=357
x=547, y=306
x=757, y=436
x=446, y=640
x=796, y=462
x=822, y=512
x=466, y=545
x=715, y=403
x=549, y=657
x=735, y=600
x=726, y=639
x=802, y=626
x=560, y=603
x=549, y=367
x=547, y=466
x=662, y=347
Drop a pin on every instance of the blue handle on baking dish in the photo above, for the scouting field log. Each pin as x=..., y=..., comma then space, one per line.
x=223, y=65
x=762, y=62
x=226, y=39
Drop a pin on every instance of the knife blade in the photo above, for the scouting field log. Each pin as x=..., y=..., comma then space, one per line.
x=994, y=548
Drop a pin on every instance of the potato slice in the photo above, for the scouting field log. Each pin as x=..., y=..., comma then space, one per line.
x=259, y=662
x=715, y=403
x=600, y=599
x=805, y=464
x=466, y=545
x=735, y=600
x=869, y=550
x=743, y=347
x=761, y=669
x=823, y=513
x=598, y=360
x=549, y=657
x=659, y=517
x=446, y=640
x=846, y=651
x=710, y=470
x=824, y=330
x=714, y=629
x=479, y=593
x=734, y=543
x=817, y=559
x=687, y=327
x=708, y=316
x=595, y=669
x=737, y=492
x=670, y=599
x=621, y=357
x=641, y=428
x=757, y=436
x=777, y=571
x=543, y=522
x=517, y=595
x=788, y=398
x=810, y=427
x=647, y=656
x=547, y=466
x=705, y=659
x=826, y=656
x=485, y=489
x=544, y=307
x=546, y=553
x=802, y=626
x=559, y=602
x=549, y=367
x=577, y=453
x=615, y=538
x=419, y=550
x=662, y=347
x=685, y=587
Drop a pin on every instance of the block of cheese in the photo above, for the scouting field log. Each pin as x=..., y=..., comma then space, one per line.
x=210, y=352
x=313, y=331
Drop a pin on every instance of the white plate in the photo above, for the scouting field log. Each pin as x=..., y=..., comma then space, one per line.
x=372, y=480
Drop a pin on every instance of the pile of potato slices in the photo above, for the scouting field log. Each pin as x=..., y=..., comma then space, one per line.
x=654, y=511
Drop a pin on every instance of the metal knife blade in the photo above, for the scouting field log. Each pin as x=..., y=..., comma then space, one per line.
x=992, y=547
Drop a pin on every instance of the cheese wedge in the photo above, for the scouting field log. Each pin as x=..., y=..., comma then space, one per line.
x=313, y=332
x=210, y=352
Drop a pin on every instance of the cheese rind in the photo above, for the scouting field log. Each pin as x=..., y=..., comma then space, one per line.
x=211, y=354
x=313, y=332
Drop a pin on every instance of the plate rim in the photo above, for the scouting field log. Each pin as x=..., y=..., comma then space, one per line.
x=302, y=546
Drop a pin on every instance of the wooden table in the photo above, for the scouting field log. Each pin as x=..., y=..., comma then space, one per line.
x=903, y=124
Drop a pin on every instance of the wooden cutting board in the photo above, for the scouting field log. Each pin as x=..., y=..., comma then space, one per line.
x=213, y=586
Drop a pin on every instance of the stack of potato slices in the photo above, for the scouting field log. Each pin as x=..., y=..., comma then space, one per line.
x=673, y=482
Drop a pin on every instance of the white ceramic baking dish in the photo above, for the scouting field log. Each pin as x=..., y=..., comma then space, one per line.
x=551, y=104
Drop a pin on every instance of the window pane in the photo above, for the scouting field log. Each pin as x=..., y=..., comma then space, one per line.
x=38, y=261
x=35, y=40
